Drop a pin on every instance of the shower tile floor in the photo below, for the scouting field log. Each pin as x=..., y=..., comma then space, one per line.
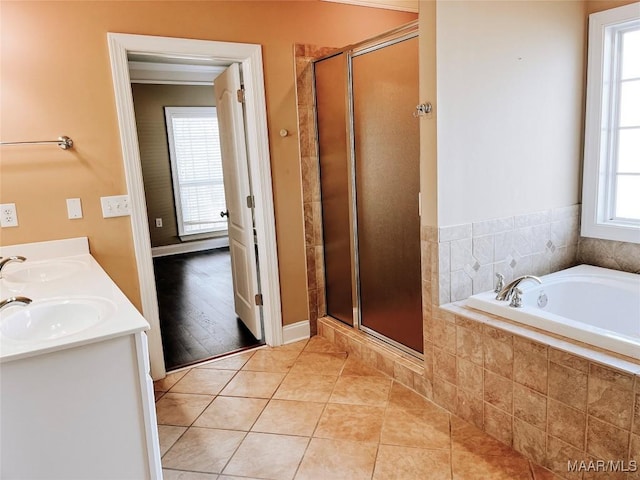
x=308, y=411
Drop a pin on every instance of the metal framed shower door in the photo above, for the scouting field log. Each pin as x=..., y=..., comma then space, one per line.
x=348, y=54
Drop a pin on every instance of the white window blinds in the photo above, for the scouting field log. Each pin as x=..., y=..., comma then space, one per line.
x=196, y=168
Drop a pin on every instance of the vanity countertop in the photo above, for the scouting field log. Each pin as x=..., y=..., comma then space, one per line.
x=63, y=270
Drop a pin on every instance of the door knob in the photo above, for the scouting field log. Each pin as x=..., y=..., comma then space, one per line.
x=224, y=214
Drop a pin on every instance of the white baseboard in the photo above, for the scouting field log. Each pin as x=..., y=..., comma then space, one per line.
x=296, y=332
x=188, y=247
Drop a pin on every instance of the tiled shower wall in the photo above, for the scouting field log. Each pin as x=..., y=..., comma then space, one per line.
x=304, y=54
x=470, y=255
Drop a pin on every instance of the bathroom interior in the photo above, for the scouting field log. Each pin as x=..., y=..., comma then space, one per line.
x=429, y=147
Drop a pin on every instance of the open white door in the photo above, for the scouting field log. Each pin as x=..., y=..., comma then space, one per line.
x=237, y=190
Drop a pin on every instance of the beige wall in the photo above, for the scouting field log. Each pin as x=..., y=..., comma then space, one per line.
x=56, y=79
x=148, y=101
x=428, y=127
x=510, y=99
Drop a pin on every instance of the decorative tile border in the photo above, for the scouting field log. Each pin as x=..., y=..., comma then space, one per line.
x=538, y=243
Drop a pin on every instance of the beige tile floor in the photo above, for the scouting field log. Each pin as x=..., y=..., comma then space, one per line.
x=307, y=411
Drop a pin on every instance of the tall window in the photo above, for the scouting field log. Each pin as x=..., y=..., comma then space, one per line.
x=611, y=193
x=196, y=168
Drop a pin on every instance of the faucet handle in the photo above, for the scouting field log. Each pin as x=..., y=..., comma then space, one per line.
x=516, y=299
x=499, y=283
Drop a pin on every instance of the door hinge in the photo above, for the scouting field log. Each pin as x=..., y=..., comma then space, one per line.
x=259, y=299
x=251, y=202
x=240, y=94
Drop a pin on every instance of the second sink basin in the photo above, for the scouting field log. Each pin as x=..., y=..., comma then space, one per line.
x=42, y=271
x=53, y=318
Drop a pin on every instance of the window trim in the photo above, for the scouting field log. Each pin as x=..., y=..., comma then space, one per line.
x=596, y=190
x=170, y=113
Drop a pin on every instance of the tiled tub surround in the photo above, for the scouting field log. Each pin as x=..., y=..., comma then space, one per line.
x=547, y=403
x=594, y=305
x=469, y=255
x=622, y=256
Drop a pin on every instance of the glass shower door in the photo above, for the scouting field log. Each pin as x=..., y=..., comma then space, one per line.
x=333, y=146
x=387, y=185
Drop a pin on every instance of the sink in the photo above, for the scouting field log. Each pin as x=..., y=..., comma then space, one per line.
x=53, y=318
x=42, y=271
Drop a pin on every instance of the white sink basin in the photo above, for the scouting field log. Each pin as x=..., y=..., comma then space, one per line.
x=41, y=272
x=53, y=318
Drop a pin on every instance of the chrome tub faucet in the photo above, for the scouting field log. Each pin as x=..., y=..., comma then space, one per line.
x=509, y=290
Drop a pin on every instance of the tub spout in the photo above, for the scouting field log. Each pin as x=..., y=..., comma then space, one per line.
x=507, y=292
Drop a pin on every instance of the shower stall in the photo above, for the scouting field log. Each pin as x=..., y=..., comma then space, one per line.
x=368, y=149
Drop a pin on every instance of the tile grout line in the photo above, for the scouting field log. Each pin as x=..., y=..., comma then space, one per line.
x=233, y=454
x=450, y=447
x=258, y=417
x=309, y=438
x=384, y=418
x=188, y=427
x=246, y=433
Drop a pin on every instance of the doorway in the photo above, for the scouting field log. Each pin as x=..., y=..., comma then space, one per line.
x=185, y=188
x=249, y=58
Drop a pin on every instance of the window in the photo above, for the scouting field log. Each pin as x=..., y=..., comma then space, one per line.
x=611, y=190
x=196, y=169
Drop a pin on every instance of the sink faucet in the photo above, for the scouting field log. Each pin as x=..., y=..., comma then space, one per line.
x=506, y=292
x=5, y=261
x=14, y=301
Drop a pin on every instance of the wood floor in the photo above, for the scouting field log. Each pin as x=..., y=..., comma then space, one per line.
x=197, y=317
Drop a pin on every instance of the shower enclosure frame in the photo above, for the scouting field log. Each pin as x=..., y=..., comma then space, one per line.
x=392, y=37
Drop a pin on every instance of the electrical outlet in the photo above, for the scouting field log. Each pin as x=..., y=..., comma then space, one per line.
x=159, y=222
x=115, y=206
x=8, y=215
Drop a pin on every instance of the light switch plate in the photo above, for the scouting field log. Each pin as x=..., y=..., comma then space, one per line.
x=115, y=206
x=74, y=208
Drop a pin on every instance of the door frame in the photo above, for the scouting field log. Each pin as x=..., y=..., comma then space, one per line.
x=250, y=57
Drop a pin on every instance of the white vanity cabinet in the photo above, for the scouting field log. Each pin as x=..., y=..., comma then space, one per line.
x=80, y=413
x=76, y=398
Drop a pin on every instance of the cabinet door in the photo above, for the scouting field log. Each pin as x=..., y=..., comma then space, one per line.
x=75, y=414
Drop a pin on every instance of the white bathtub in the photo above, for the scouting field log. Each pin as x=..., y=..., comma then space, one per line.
x=593, y=305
